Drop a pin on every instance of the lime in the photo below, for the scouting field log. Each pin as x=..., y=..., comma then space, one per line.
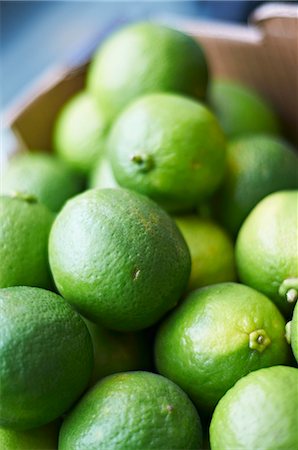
x=45, y=357
x=80, y=132
x=43, y=438
x=267, y=249
x=241, y=110
x=24, y=231
x=42, y=175
x=257, y=166
x=117, y=352
x=294, y=332
x=169, y=148
x=143, y=58
x=211, y=250
x=102, y=175
x=216, y=336
x=118, y=258
x=259, y=412
x=133, y=410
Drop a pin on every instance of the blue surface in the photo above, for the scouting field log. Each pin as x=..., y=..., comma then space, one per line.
x=36, y=35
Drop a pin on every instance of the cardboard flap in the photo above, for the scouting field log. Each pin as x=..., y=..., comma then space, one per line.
x=34, y=115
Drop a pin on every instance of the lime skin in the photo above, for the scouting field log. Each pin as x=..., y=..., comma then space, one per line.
x=143, y=58
x=241, y=110
x=257, y=165
x=118, y=352
x=217, y=335
x=118, y=258
x=46, y=357
x=43, y=175
x=294, y=332
x=24, y=232
x=133, y=410
x=169, y=148
x=266, y=249
x=80, y=132
x=211, y=250
x=42, y=438
x=260, y=411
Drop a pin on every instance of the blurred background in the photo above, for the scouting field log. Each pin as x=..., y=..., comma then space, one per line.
x=36, y=35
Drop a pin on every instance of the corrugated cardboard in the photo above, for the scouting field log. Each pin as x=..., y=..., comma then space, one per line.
x=263, y=55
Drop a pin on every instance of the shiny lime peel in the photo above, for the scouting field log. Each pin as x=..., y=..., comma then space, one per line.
x=216, y=336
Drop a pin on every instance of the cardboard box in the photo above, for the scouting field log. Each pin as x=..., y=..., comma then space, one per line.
x=263, y=54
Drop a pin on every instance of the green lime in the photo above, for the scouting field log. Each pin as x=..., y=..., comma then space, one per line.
x=259, y=412
x=133, y=411
x=45, y=357
x=216, y=336
x=43, y=438
x=80, y=132
x=24, y=230
x=118, y=258
x=294, y=332
x=117, y=352
x=241, y=110
x=144, y=58
x=267, y=249
x=42, y=175
x=211, y=250
x=102, y=175
x=169, y=148
x=257, y=166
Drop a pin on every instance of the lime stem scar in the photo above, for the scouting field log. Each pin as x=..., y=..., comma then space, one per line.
x=289, y=289
x=145, y=162
x=292, y=295
x=259, y=340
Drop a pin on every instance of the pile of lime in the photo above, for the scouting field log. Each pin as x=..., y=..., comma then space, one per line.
x=149, y=268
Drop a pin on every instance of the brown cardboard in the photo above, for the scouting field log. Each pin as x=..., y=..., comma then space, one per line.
x=263, y=55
